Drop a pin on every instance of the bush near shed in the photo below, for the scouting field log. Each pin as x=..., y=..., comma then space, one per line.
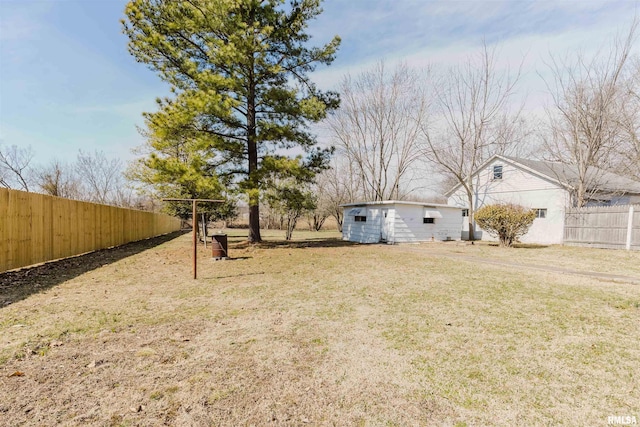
x=507, y=222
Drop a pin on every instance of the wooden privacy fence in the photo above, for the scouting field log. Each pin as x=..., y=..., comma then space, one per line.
x=611, y=227
x=35, y=228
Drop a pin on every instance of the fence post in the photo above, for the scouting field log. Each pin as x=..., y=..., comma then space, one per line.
x=629, y=228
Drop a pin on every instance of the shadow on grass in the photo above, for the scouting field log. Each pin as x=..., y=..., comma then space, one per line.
x=523, y=245
x=308, y=243
x=19, y=284
x=230, y=276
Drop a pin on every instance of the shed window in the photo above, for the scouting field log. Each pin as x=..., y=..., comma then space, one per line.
x=428, y=220
x=541, y=213
x=465, y=212
x=360, y=218
x=497, y=172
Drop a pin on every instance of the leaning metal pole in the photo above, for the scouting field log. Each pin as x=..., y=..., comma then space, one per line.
x=195, y=241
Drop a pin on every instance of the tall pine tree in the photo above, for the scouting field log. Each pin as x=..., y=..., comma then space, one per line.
x=238, y=70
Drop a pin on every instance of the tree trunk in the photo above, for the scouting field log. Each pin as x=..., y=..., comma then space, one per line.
x=291, y=225
x=472, y=234
x=252, y=150
x=254, y=224
x=318, y=222
x=339, y=219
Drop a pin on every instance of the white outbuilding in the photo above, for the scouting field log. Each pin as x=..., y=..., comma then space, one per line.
x=394, y=221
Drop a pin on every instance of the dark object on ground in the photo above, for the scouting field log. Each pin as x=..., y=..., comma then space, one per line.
x=219, y=247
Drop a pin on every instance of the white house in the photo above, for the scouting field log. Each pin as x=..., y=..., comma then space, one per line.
x=547, y=187
x=400, y=222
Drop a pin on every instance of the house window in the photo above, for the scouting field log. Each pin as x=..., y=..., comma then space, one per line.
x=541, y=213
x=428, y=220
x=497, y=172
x=465, y=212
x=360, y=218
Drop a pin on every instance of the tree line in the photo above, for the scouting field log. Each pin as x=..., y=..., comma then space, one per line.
x=239, y=124
x=445, y=123
x=91, y=177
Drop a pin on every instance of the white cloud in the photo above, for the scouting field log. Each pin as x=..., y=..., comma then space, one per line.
x=587, y=34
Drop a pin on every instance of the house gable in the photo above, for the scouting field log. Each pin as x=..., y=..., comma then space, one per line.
x=518, y=184
x=501, y=180
x=544, y=186
x=609, y=185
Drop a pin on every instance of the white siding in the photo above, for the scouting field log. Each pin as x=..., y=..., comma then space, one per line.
x=408, y=225
x=363, y=232
x=391, y=223
x=523, y=188
x=404, y=224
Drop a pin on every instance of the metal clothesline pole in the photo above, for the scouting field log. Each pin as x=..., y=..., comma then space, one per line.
x=195, y=229
x=204, y=231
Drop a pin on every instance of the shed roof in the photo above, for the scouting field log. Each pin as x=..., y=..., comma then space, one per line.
x=398, y=202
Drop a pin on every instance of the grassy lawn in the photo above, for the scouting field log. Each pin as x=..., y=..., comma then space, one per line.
x=575, y=258
x=322, y=332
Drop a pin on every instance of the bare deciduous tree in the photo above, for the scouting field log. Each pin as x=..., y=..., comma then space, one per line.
x=15, y=167
x=92, y=177
x=628, y=154
x=102, y=177
x=317, y=216
x=472, y=121
x=336, y=186
x=586, y=118
x=58, y=179
x=377, y=127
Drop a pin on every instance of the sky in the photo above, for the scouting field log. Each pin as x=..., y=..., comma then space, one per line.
x=68, y=83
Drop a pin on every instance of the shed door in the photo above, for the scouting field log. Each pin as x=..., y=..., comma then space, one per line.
x=384, y=225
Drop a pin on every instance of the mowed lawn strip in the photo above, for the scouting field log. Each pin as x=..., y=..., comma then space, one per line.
x=321, y=332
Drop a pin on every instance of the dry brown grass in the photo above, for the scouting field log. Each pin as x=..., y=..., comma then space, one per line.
x=577, y=258
x=317, y=332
